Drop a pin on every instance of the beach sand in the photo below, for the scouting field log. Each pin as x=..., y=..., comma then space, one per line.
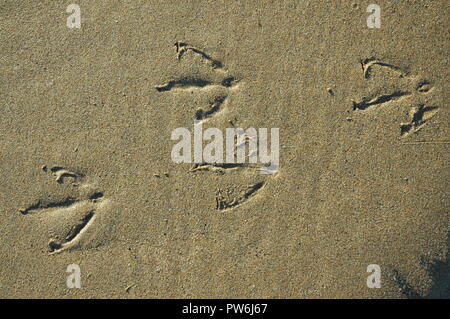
x=85, y=151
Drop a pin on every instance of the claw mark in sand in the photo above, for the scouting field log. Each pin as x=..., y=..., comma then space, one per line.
x=61, y=173
x=194, y=83
x=221, y=168
x=182, y=48
x=235, y=196
x=185, y=83
x=419, y=115
x=42, y=206
x=201, y=114
x=367, y=65
x=72, y=238
x=366, y=103
x=424, y=86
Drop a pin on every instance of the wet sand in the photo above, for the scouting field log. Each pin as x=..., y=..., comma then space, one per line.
x=85, y=151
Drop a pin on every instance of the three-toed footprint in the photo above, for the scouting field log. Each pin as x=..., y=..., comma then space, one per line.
x=218, y=82
x=212, y=83
x=386, y=84
x=66, y=218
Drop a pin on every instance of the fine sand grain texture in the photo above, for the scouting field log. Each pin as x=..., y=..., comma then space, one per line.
x=86, y=117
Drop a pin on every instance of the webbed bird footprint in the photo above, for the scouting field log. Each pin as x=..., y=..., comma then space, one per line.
x=66, y=219
x=205, y=79
x=211, y=78
x=386, y=85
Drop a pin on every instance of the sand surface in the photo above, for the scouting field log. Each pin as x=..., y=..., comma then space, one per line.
x=85, y=149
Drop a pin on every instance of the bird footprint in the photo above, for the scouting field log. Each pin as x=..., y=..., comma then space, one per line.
x=69, y=217
x=219, y=81
x=387, y=84
x=217, y=84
